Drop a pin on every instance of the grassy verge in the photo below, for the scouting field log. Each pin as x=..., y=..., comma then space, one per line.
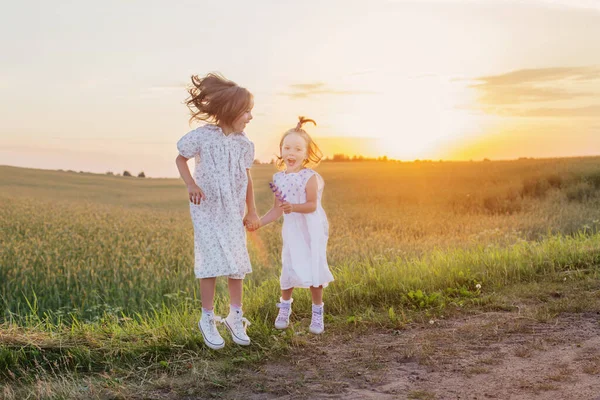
x=119, y=351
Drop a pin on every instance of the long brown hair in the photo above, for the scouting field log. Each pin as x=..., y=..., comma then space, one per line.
x=313, y=153
x=213, y=98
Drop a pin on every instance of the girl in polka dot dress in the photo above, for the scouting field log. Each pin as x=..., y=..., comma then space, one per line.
x=219, y=192
x=298, y=192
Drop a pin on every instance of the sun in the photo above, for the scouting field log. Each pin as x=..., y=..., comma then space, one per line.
x=406, y=119
x=428, y=119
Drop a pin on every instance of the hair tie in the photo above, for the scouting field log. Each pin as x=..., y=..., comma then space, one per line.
x=302, y=121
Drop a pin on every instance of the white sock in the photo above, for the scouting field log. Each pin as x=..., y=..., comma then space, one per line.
x=234, y=309
x=208, y=313
x=286, y=301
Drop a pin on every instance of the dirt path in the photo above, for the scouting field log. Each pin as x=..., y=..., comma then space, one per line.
x=484, y=356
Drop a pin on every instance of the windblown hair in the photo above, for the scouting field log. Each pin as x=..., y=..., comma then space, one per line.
x=216, y=99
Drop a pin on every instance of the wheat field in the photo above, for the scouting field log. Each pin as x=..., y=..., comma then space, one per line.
x=105, y=263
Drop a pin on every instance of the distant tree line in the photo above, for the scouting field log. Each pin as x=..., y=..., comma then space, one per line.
x=343, y=158
x=127, y=173
x=340, y=157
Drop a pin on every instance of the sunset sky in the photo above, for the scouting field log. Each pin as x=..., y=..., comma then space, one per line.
x=99, y=86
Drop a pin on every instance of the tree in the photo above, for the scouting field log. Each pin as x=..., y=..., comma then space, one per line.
x=141, y=175
x=126, y=173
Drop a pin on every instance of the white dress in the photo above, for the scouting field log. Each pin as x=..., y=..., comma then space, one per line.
x=304, y=255
x=219, y=233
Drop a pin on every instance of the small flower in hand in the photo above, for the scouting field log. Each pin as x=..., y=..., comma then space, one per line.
x=278, y=193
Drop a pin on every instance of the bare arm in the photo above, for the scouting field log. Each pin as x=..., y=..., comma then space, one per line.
x=274, y=213
x=184, y=170
x=311, y=200
x=196, y=194
x=250, y=195
x=251, y=220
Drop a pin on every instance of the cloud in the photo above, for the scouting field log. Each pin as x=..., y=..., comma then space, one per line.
x=305, y=90
x=589, y=111
x=308, y=86
x=522, y=93
x=537, y=75
x=525, y=94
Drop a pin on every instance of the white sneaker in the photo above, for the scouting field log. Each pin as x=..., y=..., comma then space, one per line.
x=237, y=325
x=208, y=328
x=317, y=326
x=283, y=318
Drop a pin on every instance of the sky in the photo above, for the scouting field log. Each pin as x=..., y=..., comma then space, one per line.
x=100, y=86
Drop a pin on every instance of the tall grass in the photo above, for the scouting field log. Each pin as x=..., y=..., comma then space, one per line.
x=97, y=271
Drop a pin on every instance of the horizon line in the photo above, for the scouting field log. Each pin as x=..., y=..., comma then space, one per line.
x=349, y=160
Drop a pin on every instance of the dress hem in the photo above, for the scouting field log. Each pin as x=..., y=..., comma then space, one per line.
x=227, y=275
x=307, y=287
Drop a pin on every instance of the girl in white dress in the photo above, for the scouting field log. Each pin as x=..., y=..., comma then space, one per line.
x=219, y=192
x=298, y=191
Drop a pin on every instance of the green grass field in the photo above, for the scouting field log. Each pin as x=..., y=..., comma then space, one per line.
x=96, y=271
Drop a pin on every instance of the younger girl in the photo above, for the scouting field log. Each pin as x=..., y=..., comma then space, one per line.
x=305, y=231
x=219, y=191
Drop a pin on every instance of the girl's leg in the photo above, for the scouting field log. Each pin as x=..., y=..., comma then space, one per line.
x=285, y=309
x=287, y=294
x=317, y=324
x=207, y=292
x=207, y=325
x=235, y=322
x=317, y=295
x=236, y=287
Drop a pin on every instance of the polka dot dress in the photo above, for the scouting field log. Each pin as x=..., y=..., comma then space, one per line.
x=221, y=172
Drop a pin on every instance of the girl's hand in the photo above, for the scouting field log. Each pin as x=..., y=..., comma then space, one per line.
x=252, y=228
x=195, y=193
x=287, y=207
x=251, y=221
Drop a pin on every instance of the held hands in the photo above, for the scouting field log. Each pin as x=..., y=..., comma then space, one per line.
x=251, y=221
x=196, y=194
